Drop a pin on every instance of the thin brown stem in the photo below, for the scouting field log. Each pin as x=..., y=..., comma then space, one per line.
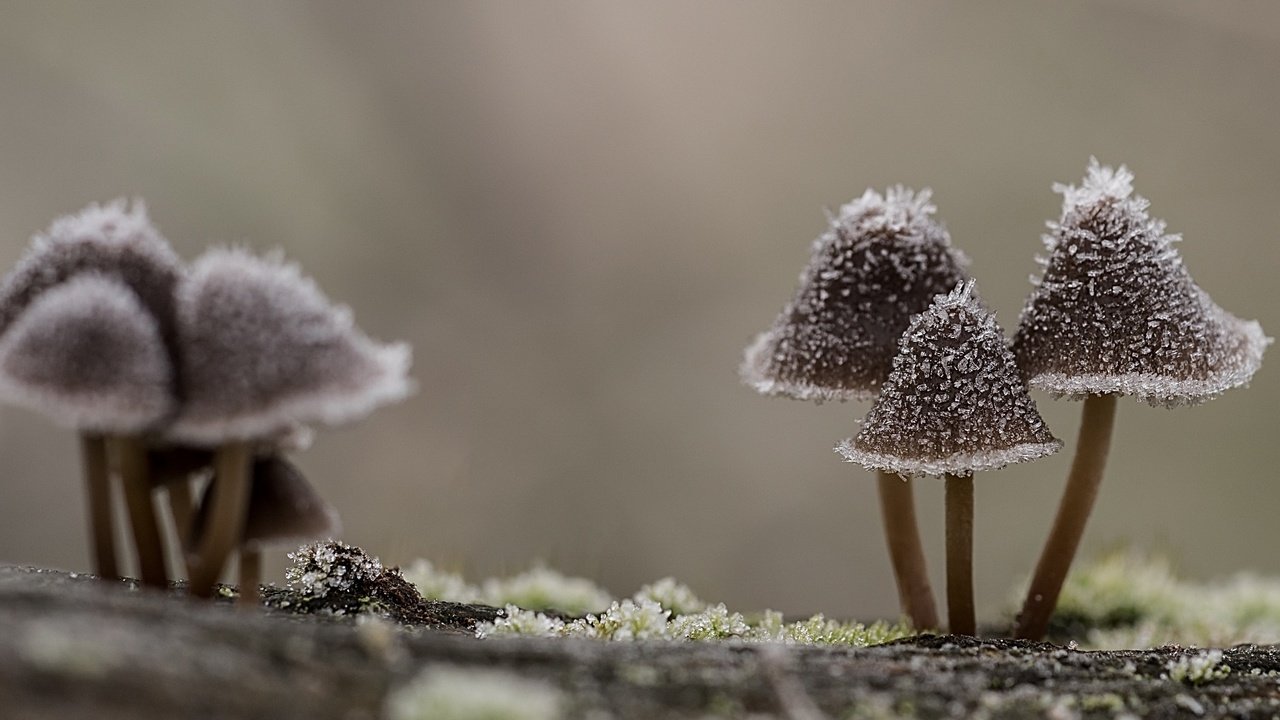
x=250, y=577
x=97, y=478
x=180, y=506
x=1096, y=423
x=135, y=477
x=960, y=615
x=222, y=532
x=898, y=509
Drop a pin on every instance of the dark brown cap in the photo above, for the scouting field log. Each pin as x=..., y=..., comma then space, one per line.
x=264, y=351
x=882, y=261
x=1116, y=311
x=284, y=509
x=954, y=402
x=89, y=355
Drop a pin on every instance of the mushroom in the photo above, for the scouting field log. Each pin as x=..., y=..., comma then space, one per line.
x=1115, y=312
x=283, y=509
x=90, y=356
x=953, y=404
x=882, y=260
x=117, y=241
x=263, y=352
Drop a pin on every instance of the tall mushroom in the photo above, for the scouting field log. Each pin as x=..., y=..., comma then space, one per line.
x=1115, y=312
x=882, y=261
x=118, y=241
x=263, y=352
x=953, y=404
x=90, y=356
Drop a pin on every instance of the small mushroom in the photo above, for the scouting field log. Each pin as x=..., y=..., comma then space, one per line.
x=284, y=509
x=883, y=260
x=1115, y=312
x=953, y=404
x=88, y=354
x=264, y=352
x=116, y=241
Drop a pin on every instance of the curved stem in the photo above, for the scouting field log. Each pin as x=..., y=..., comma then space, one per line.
x=221, y=533
x=1096, y=423
x=898, y=509
x=960, y=614
x=135, y=476
x=250, y=577
x=97, y=478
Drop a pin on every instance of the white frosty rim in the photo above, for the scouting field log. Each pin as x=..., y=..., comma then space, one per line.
x=962, y=464
x=754, y=372
x=1163, y=390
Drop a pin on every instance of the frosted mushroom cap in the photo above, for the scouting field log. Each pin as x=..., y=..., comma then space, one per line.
x=283, y=507
x=954, y=402
x=87, y=354
x=116, y=240
x=882, y=260
x=1116, y=311
x=264, y=351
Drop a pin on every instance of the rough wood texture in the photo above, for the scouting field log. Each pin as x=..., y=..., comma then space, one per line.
x=74, y=648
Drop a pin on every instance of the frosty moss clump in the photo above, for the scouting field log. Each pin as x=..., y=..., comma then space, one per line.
x=450, y=693
x=539, y=588
x=328, y=567
x=1199, y=669
x=1128, y=600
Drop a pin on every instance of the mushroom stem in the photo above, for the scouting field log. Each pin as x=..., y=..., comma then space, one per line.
x=897, y=506
x=960, y=615
x=226, y=517
x=135, y=477
x=250, y=576
x=180, y=506
x=1096, y=423
x=97, y=477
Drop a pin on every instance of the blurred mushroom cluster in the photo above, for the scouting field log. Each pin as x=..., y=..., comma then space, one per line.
x=886, y=311
x=191, y=382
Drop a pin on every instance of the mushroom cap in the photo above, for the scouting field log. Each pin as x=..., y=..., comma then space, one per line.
x=954, y=402
x=116, y=240
x=283, y=507
x=1116, y=311
x=882, y=261
x=264, y=351
x=88, y=354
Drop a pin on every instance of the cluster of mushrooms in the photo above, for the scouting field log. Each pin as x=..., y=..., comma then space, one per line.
x=886, y=310
x=191, y=381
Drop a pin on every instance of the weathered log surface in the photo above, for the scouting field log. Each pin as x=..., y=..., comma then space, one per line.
x=72, y=647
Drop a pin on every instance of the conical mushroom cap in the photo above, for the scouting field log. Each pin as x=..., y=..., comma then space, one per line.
x=264, y=351
x=114, y=240
x=954, y=402
x=283, y=508
x=1116, y=311
x=882, y=261
x=88, y=354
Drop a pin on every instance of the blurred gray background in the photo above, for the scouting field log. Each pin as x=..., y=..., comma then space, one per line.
x=579, y=214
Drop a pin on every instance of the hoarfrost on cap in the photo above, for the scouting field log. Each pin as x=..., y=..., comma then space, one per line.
x=881, y=261
x=1116, y=311
x=954, y=402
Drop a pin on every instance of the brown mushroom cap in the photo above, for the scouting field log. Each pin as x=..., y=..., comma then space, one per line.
x=264, y=351
x=881, y=262
x=1116, y=311
x=89, y=355
x=954, y=402
x=283, y=507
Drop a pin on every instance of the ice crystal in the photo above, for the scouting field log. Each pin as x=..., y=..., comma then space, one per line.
x=954, y=402
x=263, y=350
x=712, y=623
x=116, y=240
x=1198, y=669
x=882, y=261
x=89, y=355
x=519, y=621
x=1116, y=311
x=671, y=595
x=322, y=568
x=624, y=620
x=454, y=693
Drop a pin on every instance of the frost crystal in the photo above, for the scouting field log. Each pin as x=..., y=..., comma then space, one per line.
x=1115, y=310
x=954, y=402
x=331, y=566
x=264, y=350
x=882, y=261
x=87, y=354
